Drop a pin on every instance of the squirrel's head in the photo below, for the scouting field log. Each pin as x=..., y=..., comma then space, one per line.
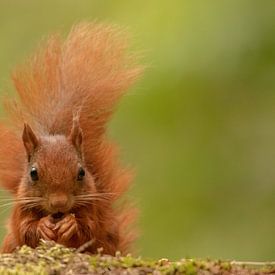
x=56, y=179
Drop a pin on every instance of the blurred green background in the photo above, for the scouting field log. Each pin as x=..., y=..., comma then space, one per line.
x=200, y=125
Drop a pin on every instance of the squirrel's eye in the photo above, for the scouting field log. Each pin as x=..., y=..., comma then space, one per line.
x=81, y=174
x=34, y=174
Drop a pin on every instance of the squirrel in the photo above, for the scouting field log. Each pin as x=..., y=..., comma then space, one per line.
x=55, y=156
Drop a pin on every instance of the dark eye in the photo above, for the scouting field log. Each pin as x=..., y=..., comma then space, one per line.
x=34, y=174
x=81, y=174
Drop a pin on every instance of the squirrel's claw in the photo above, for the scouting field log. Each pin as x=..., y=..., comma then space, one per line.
x=45, y=229
x=66, y=228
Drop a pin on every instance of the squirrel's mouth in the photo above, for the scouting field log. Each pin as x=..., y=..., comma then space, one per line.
x=58, y=215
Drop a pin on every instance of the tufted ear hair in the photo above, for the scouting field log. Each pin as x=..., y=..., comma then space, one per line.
x=75, y=136
x=30, y=140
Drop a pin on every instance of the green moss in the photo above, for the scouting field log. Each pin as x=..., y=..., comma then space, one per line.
x=51, y=258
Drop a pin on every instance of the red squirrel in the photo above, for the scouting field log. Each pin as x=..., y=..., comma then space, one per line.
x=62, y=170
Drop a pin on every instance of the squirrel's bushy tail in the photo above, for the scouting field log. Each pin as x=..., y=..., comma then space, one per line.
x=85, y=74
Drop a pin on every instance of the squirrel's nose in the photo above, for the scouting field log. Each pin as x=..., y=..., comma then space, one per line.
x=59, y=202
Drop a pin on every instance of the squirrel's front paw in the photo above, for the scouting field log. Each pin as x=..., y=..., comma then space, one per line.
x=45, y=229
x=66, y=228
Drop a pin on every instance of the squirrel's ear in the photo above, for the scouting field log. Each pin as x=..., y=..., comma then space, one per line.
x=76, y=135
x=29, y=139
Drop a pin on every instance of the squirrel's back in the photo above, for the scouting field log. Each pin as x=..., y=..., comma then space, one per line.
x=85, y=74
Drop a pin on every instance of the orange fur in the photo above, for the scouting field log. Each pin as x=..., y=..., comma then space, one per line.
x=85, y=75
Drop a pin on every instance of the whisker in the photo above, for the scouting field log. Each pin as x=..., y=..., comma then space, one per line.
x=93, y=199
x=7, y=199
x=84, y=201
x=30, y=198
x=29, y=206
x=95, y=196
x=23, y=202
x=98, y=194
x=90, y=201
x=28, y=201
x=6, y=204
x=83, y=204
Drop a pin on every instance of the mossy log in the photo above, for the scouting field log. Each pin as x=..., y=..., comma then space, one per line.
x=51, y=258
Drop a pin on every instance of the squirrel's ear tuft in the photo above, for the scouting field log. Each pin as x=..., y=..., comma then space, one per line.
x=29, y=139
x=76, y=135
